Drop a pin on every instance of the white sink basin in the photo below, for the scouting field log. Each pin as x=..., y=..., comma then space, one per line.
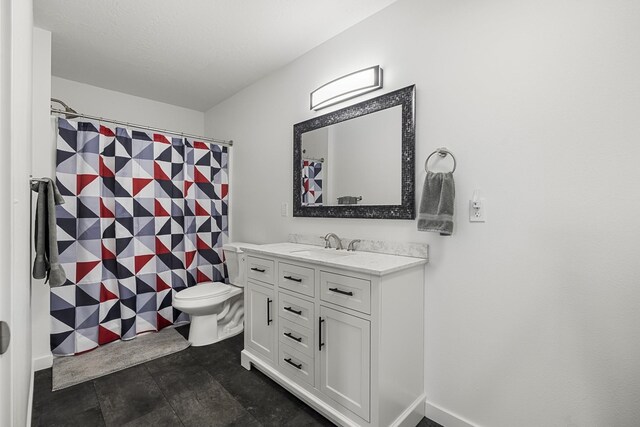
x=321, y=253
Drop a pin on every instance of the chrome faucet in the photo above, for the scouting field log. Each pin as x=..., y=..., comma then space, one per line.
x=352, y=245
x=327, y=241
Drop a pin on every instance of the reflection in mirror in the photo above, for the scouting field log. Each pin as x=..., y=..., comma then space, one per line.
x=342, y=162
x=357, y=162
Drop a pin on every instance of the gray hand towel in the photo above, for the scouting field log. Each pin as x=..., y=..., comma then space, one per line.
x=436, y=207
x=46, y=263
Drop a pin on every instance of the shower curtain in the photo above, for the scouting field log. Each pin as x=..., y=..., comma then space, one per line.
x=145, y=216
x=311, y=183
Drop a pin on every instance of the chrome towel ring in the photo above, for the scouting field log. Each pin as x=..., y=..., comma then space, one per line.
x=442, y=152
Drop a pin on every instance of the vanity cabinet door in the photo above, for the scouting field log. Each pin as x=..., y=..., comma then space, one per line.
x=261, y=315
x=345, y=348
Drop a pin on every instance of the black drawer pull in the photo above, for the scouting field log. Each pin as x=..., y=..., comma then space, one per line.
x=340, y=291
x=288, y=334
x=269, y=319
x=295, y=279
x=288, y=360
x=259, y=270
x=320, y=343
x=299, y=313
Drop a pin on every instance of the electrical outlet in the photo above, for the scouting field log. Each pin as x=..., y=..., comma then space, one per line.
x=284, y=209
x=477, y=209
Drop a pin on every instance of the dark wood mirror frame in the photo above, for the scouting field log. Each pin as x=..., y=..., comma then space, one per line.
x=407, y=209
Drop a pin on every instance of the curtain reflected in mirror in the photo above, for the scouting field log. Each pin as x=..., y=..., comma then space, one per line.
x=312, y=182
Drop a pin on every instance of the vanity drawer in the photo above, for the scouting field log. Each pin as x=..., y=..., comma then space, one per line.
x=346, y=291
x=296, y=310
x=296, y=278
x=296, y=364
x=296, y=336
x=261, y=269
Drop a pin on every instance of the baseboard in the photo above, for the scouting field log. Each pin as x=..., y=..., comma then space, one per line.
x=42, y=362
x=444, y=417
x=412, y=415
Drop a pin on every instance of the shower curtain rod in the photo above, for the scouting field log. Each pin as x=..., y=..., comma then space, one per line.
x=227, y=143
x=313, y=159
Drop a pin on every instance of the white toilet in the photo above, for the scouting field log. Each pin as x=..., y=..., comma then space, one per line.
x=216, y=308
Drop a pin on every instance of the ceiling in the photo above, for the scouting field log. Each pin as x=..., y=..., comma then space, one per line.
x=192, y=53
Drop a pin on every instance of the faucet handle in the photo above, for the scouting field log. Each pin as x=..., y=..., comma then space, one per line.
x=352, y=245
x=327, y=241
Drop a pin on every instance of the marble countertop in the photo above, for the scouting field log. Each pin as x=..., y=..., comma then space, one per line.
x=359, y=261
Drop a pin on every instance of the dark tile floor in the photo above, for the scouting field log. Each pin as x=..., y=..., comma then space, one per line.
x=200, y=386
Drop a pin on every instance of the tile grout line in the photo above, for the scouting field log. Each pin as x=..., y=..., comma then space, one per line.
x=233, y=396
x=225, y=389
x=163, y=395
x=95, y=391
x=255, y=416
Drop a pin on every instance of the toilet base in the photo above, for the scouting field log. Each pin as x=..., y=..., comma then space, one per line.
x=211, y=328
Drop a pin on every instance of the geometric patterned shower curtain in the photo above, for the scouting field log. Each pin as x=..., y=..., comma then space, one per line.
x=311, y=183
x=145, y=216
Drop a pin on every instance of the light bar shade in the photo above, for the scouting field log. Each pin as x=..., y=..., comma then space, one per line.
x=347, y=87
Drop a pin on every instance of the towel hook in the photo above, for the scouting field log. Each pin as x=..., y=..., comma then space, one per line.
x=442, y=152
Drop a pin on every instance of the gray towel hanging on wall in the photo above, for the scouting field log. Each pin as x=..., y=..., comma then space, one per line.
x=438, y=199
x=46, y=265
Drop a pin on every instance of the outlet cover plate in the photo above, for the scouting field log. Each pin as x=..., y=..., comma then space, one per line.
x=478, y=215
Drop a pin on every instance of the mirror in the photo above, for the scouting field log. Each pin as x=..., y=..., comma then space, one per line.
x=357, y=162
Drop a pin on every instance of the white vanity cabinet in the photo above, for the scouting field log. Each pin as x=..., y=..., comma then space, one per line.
x=344, y=334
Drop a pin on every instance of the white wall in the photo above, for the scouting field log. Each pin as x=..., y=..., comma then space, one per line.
x=101, y=102
x=94, y=101
x=367, y=158
x=531, y=318
x=315, y=144
x=16, y=379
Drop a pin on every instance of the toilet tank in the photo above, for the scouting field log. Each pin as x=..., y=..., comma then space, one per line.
x=235, y=259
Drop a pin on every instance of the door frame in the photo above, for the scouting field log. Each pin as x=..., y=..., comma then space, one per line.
x=16, y=50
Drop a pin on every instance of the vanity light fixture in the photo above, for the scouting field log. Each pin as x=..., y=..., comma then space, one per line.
x=347, y=87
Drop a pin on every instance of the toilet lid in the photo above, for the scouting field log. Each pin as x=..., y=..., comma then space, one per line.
x=204, y=290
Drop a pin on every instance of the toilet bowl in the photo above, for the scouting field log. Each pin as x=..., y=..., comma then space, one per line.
x=216, y=308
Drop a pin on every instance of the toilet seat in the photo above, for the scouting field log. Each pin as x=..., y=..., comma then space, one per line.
x=204, y=291
x=204, y=299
